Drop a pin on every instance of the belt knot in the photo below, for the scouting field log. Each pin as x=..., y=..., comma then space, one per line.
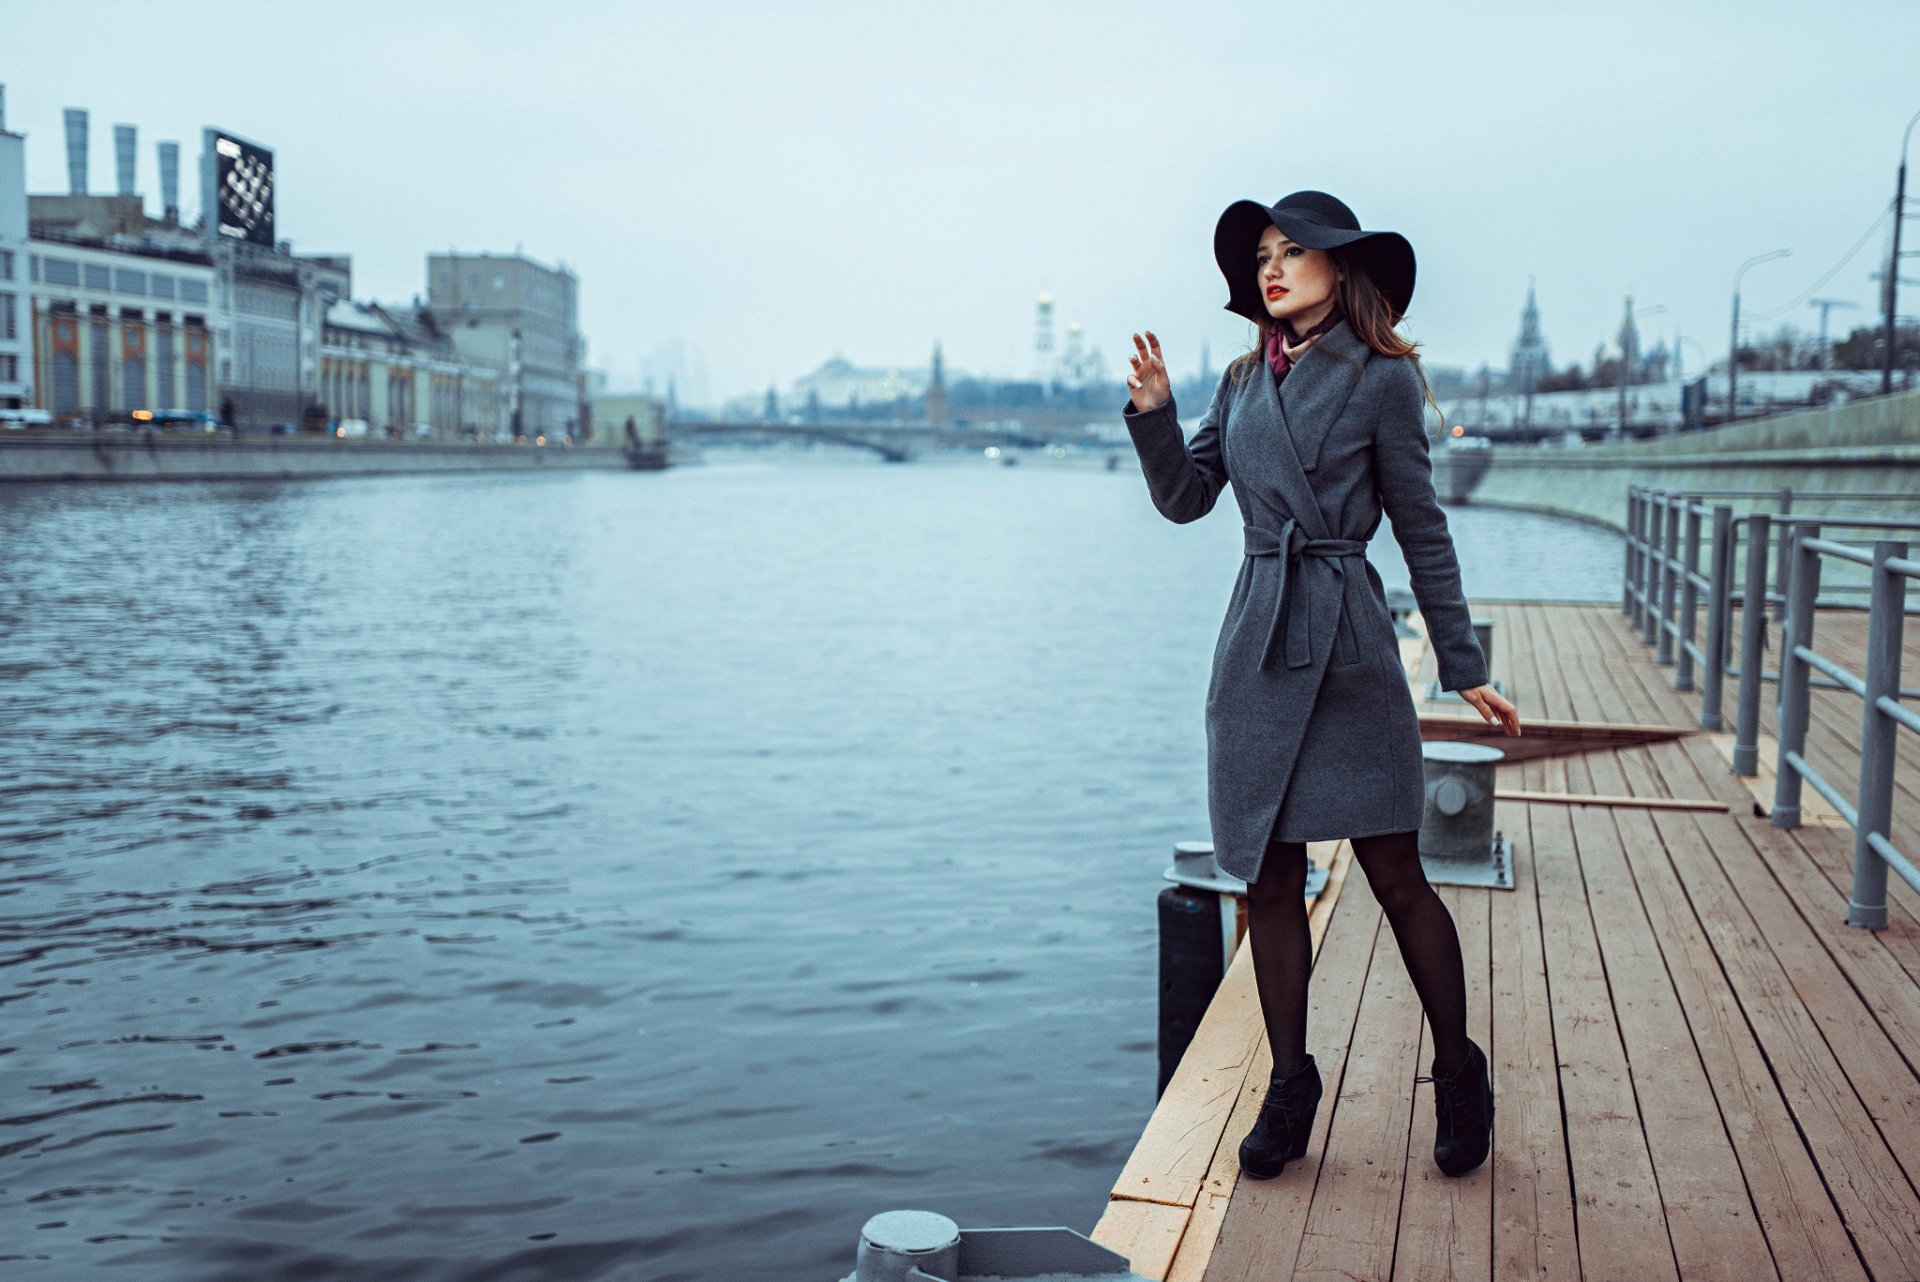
x=1288, y=544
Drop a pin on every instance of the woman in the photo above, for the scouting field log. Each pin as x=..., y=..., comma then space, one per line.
x=1311, y=729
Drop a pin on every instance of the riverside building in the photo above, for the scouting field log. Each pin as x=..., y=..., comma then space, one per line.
x=397, y=370
x=508, y=311
x=16, y=326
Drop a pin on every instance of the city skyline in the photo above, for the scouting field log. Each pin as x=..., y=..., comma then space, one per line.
x=843, y=164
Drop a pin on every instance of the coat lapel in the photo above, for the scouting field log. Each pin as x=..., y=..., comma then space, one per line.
x=1316, y=390
x=1306, y=404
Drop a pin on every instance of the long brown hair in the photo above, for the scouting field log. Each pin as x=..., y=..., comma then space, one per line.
x=1369, y=315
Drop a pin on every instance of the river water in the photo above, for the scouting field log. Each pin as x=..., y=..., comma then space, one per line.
x=597, y=876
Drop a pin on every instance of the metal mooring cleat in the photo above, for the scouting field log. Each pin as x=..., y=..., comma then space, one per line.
x=1458, y=843
x=925, y=1246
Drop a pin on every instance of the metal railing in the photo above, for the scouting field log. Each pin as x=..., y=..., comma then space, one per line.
x=1662, y=594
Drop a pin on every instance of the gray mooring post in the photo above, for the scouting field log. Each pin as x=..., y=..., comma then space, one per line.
x=1719, y=616
x=1753, y=642
x=1689, y=601
x=1803, y=587
x=1867, y=905
x=1199, y=928
x=1459, y=845
x=1650, y=570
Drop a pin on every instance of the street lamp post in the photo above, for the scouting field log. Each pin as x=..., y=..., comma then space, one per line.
x=1733, y=352
x=1893, y=267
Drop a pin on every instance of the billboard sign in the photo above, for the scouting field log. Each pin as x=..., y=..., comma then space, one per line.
x=243, y=190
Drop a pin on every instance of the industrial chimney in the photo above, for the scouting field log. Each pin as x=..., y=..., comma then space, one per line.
x=76, y=118
x=170, y=180
x=125, y=139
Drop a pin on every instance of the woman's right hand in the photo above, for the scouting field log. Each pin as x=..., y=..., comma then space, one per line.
x=1151, y=388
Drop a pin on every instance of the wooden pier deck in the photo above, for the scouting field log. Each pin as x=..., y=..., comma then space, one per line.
x=1700, y=1071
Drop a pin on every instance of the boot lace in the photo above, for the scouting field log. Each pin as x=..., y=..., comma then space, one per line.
x=1448, y=1092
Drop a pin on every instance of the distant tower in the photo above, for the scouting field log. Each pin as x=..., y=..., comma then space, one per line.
x=170, y=181
x=76, y=118
x=1072, y=359
x=1530, y=361
x=1043, y=340
x=938, y=411
x=125, y=141
x=1629, y=345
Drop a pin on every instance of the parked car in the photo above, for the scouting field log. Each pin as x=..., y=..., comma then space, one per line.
x=351, y=427
x=20, y=420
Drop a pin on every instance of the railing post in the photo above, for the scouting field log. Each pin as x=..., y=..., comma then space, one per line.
x=1719, y=615
x=1650, y=568
x=1689, y=600
x=1669, y=573
x=1786, y=551
x=1626, y=576
x=1803, y=586
x=1753, y=644
x=1867, y=906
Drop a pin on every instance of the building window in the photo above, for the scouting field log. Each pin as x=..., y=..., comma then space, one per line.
x=163, y=369
x=9, y=369
x=66, y=383
x=6, y=264
x=98, y=277
x=133, y=381
x=193, y=291
x=102, y=366
x=196, y=387
x=9, y=327
x=130, y=282
x=162, y=285
x=61, y=271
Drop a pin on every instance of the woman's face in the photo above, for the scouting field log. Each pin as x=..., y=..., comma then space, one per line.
x=1296, y=282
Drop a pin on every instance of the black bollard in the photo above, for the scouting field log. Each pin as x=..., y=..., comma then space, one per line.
x=1192, y=965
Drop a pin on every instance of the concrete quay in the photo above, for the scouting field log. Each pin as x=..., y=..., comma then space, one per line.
x=156, y=456
x=1864, y=447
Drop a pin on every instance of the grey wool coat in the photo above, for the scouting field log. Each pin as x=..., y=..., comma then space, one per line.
x=1311, y=729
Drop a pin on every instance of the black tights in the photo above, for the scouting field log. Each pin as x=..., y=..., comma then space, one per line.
x=1424, y=929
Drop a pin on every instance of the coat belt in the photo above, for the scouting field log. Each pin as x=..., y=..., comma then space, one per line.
x=1289, y=544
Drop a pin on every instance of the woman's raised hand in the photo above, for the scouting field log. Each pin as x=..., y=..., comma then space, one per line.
x=1149, y=382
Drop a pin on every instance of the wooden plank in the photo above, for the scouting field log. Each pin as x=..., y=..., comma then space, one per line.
x=1884, y=1081
x=1147, y=1233
x=1814, y=808
x=1710, y=1220
x=1171, y=1158
x=1609, y=799
x=1223, y=1176
x=1356, y=1201
x=1887, y=991
x=1533, y=1219
x=1804, y=1231
x=1622, y=1230
x=1831, y=851
x=1261, y=1228
x=1446, y=1225
x=1871, y=1193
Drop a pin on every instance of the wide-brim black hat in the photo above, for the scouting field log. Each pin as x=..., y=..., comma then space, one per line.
x=1318, y=221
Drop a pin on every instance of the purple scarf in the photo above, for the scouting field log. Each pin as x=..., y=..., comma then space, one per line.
x=1281, y=337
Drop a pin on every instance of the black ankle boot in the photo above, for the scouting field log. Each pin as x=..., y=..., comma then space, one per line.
x=1279, y=1134
x=1463, y=1106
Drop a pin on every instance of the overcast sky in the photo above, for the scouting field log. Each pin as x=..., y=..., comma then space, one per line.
x=746, y=188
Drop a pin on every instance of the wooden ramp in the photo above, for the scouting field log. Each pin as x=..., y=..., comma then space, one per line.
x=1700, y=1071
